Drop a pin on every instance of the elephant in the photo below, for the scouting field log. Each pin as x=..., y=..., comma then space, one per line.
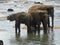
x=21, y=17
x=38, y=17
x=49, y=8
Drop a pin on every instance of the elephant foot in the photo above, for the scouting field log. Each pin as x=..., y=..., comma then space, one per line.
x=34, y=31
x=15, y=32
x=19, y=31
x=38, y=31
x=49, y=26
x=52, y=29
x=45, y=31
x=29, y=31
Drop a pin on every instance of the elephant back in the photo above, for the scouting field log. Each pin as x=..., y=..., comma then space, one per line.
x=49, y=8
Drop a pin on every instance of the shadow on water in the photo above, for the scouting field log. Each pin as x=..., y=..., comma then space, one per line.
x=35, y=39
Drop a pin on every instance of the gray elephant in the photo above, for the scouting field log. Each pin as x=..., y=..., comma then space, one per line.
x=21, y=17
x=38, y=17
x=49, y=8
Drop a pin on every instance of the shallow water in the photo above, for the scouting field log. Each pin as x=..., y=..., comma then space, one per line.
x=9, y=38
x=7, y=29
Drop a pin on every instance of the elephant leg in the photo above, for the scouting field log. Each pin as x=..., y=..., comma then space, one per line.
x=28, y=29
x=15, y=27
x=38, y=28
x=35, y=28
x=19, y=27
x=52, y=22
x=44, y=26
x=48, y=22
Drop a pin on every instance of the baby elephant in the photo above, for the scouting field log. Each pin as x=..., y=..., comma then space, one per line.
x=21, y=17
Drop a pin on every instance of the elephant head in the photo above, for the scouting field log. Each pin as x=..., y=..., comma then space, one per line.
x=11, y=17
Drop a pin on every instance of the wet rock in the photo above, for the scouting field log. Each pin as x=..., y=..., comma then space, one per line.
x=10, y=10
x=38, y=3
x=1, y=42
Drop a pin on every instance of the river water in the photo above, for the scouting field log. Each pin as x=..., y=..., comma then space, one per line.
x=7, y=29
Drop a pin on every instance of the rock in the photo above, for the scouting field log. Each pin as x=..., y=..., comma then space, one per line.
x=38, y=3
x=1, y=42
x=10, y=10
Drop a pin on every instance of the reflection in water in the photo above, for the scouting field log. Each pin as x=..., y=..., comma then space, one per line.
x=46, y=39
x=37, y=39
x=17, y=36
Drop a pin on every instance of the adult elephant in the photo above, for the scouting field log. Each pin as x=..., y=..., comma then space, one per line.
x=49, y=8
x=21, y=17
x=38, y=17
